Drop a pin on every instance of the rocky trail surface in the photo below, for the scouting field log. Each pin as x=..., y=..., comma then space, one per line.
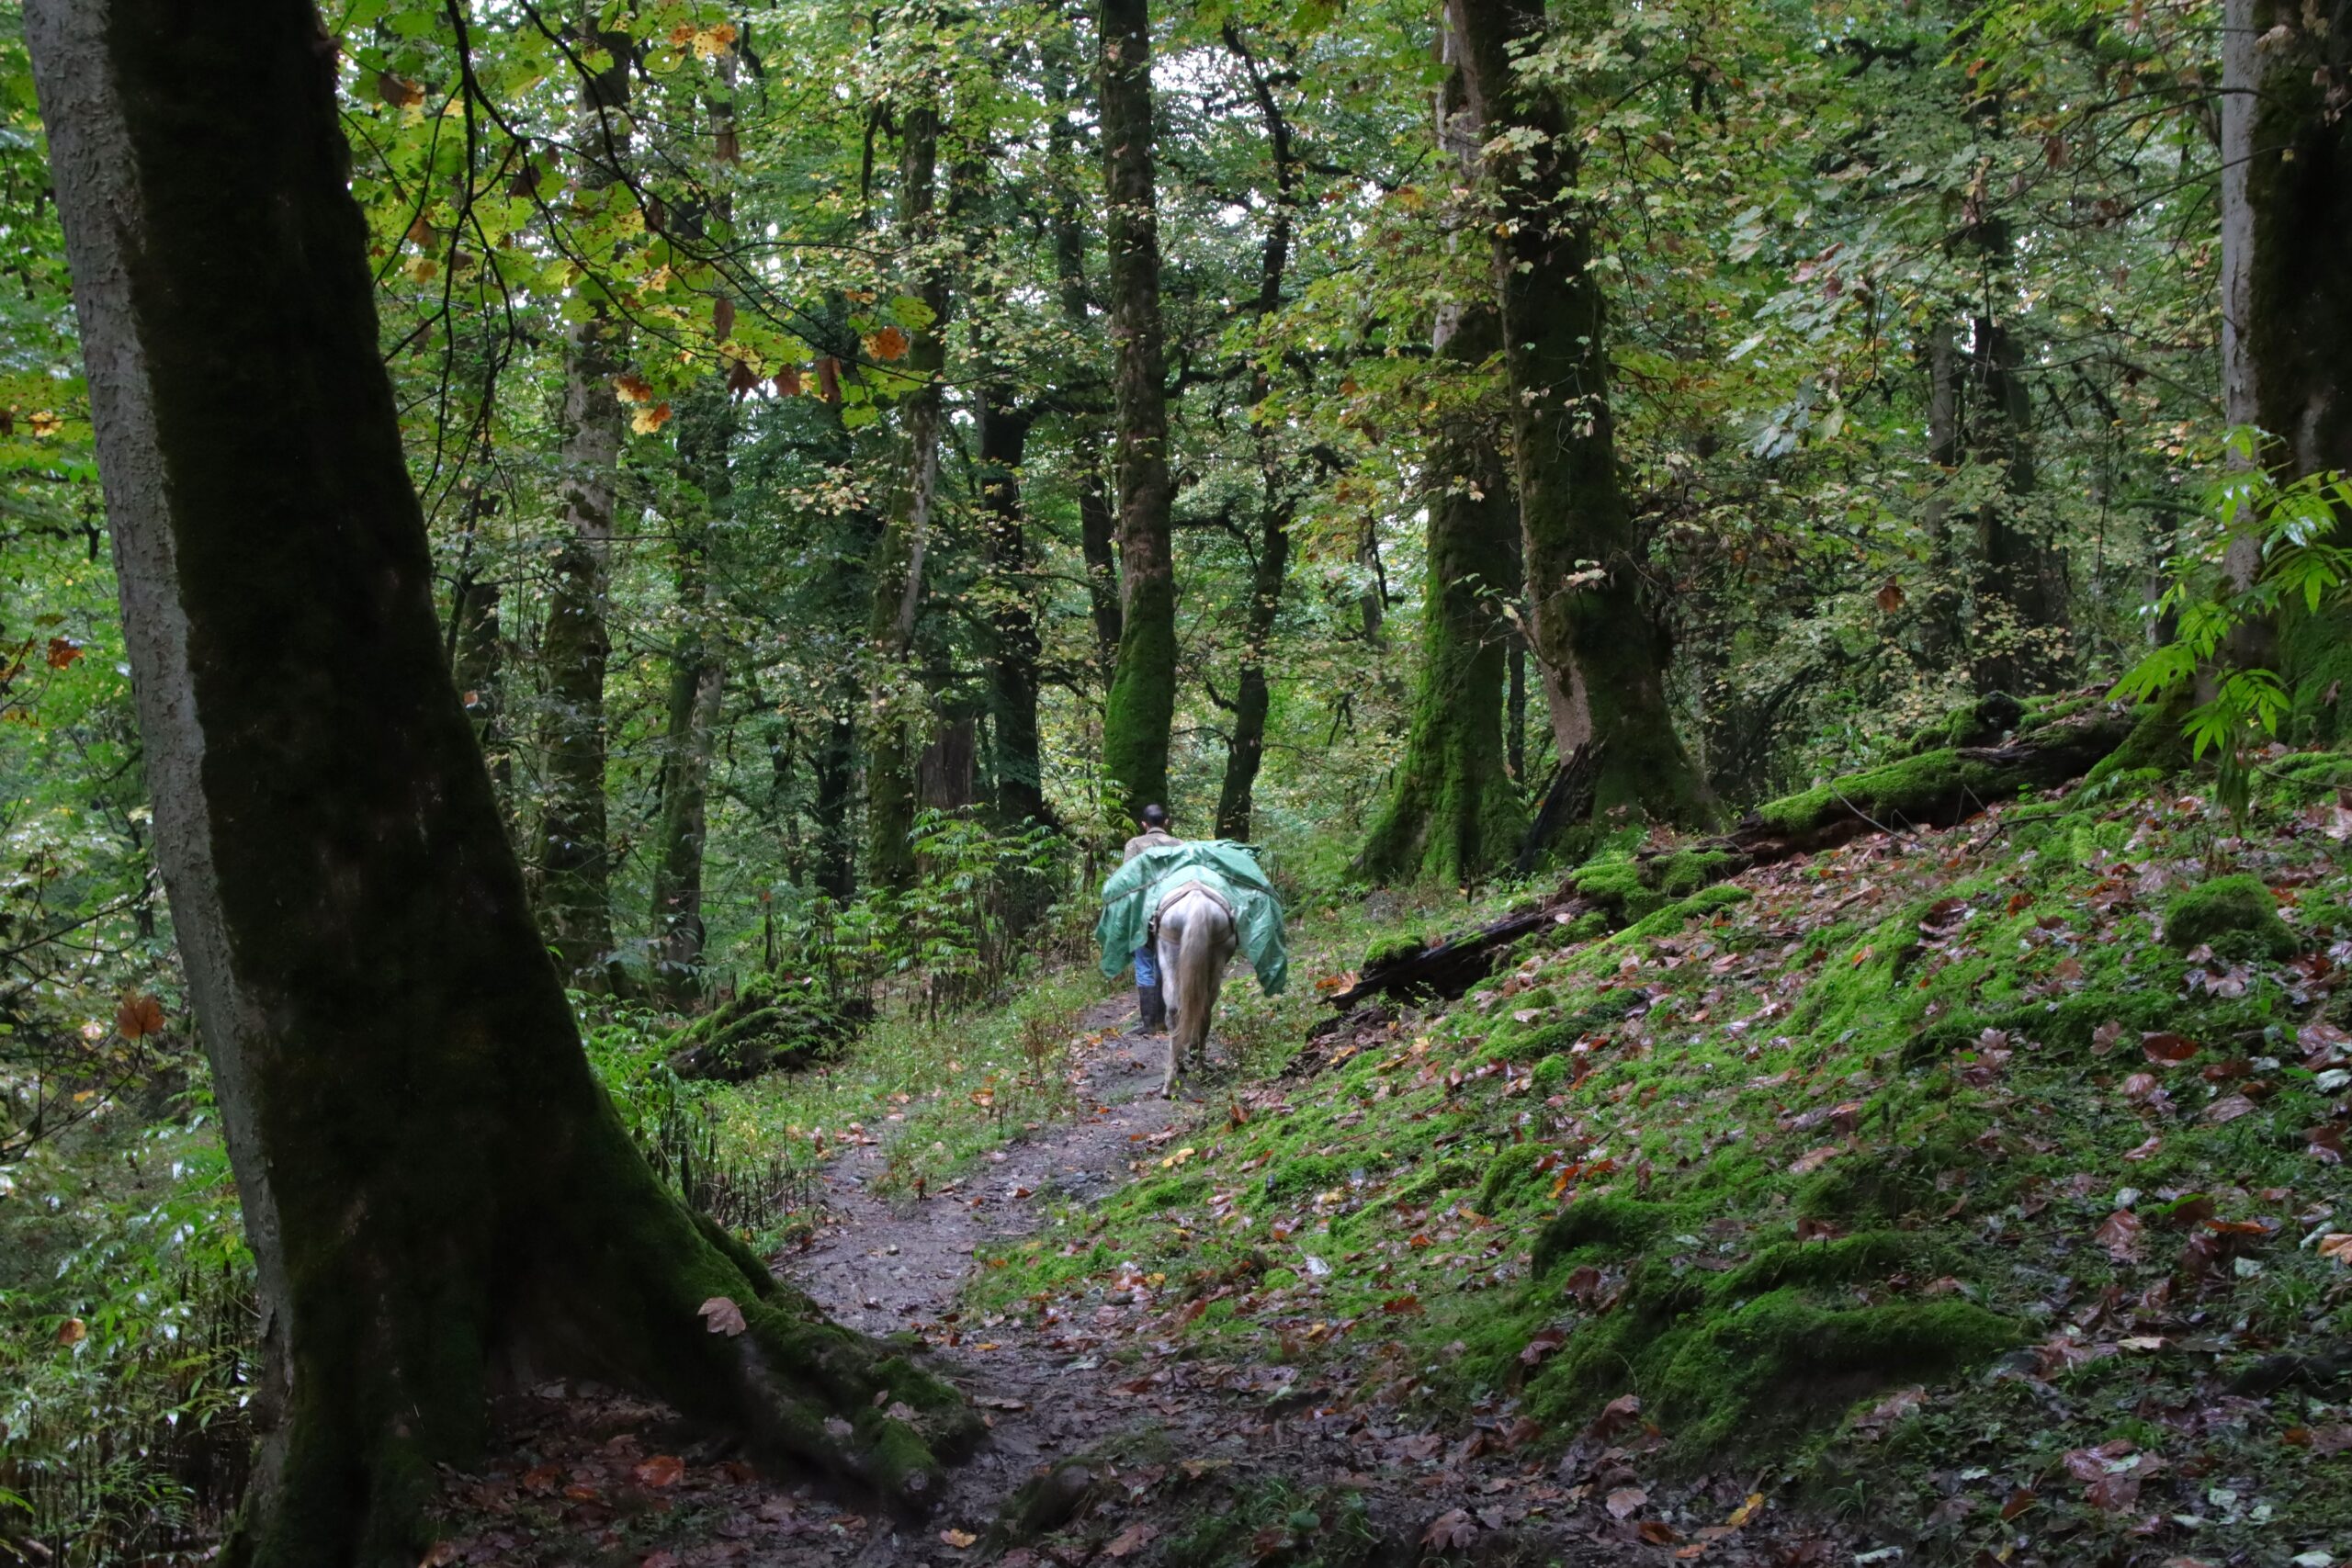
x=1131, y=1449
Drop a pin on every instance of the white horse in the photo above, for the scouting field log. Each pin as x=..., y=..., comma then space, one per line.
x=1196, y=941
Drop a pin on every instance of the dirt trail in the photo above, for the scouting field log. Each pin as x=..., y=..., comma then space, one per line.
x=1151, y=1438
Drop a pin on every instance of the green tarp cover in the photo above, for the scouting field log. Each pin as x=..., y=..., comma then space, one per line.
x=1131, y=897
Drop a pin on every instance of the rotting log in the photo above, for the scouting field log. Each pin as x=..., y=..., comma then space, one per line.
x=1934, y=789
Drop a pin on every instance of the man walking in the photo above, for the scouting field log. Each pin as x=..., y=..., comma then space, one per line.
x=1151, y=1007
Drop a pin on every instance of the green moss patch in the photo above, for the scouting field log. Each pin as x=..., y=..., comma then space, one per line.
x=2236, y=916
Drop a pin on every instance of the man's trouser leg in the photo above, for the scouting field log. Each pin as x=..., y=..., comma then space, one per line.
x=1150, y=1010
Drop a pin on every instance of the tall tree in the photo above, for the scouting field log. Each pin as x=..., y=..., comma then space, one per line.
x=1142, y=703
x=895, y=738
x=1603, y=654
x=575, y=848
x=1277, y=502
x=1454, y=814
x=432, y=1180
x=2287, y=281
x=697, y=689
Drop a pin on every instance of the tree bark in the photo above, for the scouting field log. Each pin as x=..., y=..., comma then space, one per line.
x=1013, y=644
x=1603, y=657
x=432, y=1180
x=480, y=666
x=1142, y=703
x=1097, y=518
x=1245, y=749
x=896, y=737
x=2286, y=290
x=1940, y=615
x=698, y=688
x=1455, y=815
x=2021, y=584
x=575, y=853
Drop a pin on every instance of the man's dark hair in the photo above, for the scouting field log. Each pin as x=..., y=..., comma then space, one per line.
x=1155, y=816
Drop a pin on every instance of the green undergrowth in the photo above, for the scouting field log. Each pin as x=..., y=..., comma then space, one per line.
x=1902, y=1171
x=932, y=1093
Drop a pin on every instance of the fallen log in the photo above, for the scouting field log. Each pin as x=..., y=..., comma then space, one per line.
x=1937, y=789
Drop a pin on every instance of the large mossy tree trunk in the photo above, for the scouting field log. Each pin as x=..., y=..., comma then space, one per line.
x=2287, y=286
x=895, y=738
x=575, y=848
x=697, y=689
x=1454, y=814
x=432, y=1181
x=1603, y=654
x=1142, y=703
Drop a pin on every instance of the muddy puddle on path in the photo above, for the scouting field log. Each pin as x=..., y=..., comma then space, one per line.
x=1149, y=1452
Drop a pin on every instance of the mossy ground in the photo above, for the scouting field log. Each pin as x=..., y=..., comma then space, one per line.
x=1825, y=1170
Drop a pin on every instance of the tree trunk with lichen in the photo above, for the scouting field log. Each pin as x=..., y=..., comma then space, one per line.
x=1602, y=651
x=432, y=1181
x=576, y=847
x=1455, y=815
x=1142, y=703
x=698, y=688
x=2287, y=291
x=895, y=738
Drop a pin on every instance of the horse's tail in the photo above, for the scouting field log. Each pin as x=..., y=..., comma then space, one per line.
x=1198, y=967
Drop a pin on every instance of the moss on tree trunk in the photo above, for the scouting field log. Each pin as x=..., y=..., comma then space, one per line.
x=1603, y=653
x=1142, y=702
x=575, y=852
x=432, y=1181
x=698, y=685
x=1455, y=815
x=899, y=706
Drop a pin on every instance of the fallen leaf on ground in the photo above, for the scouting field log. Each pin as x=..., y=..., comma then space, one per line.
x=723, y=1316
x=959, y=1540
x=661, y=1470
x=1626, y=1501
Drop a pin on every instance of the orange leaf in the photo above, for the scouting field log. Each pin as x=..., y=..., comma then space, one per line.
x=888, y=343
x=632, y=387
x=138, y=1016
x=63, y=652
x=73, y=1331
x=661, y=1470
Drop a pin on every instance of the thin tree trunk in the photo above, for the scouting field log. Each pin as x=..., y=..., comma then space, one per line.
x=1098, y=520
x=1142, y=703
x=896, y=738
x=1245, y=749
x=2020, y=594
x=431, y=1178
x=1603, y=657
x=479, y=668
x=697, y=682
x=836, y=768
x=575, y=889
x=1014, y=643
x=1940, y=617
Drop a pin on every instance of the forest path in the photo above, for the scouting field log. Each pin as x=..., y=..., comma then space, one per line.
x=1144, y=1439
